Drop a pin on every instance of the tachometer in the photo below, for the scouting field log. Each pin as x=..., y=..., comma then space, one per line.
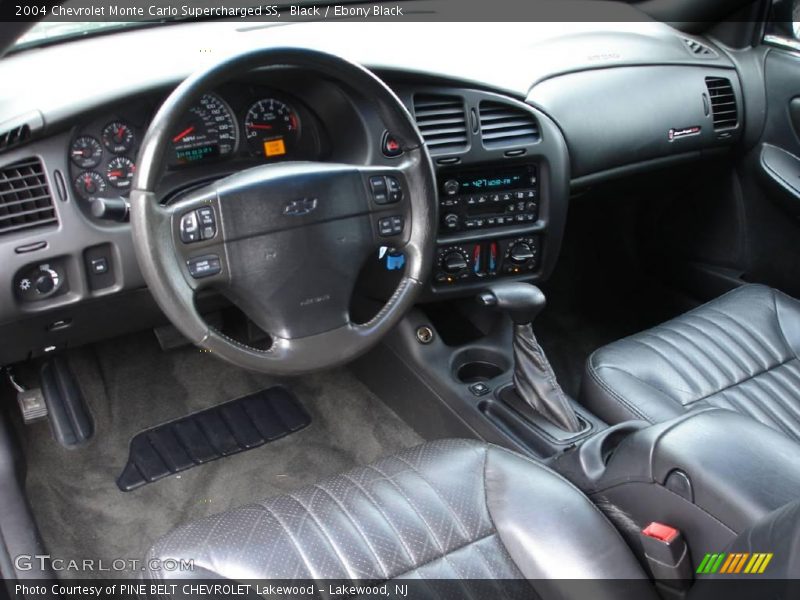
x=207, y=131
x=86, y=152
x=271, y=127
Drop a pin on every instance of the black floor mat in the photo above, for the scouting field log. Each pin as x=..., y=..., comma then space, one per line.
x=229, y=428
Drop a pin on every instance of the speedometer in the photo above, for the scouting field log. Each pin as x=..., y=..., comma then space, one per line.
x=207, y=131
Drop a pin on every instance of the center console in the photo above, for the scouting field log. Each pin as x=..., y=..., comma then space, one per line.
x=710, y=474
x=493, y=201
x=490, y=225
x=503, y=185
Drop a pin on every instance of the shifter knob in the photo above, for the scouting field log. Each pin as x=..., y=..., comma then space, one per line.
x=522, y=301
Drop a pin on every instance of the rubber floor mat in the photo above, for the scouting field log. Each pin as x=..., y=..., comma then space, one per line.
x=226, y=429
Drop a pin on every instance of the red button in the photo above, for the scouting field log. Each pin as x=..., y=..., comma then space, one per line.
x=390, y=145
x=661, y=532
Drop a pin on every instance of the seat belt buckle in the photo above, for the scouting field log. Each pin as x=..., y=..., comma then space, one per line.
x=667, y=556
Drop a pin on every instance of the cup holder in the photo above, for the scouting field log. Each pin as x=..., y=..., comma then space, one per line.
x=473, y=372
x=477, y=366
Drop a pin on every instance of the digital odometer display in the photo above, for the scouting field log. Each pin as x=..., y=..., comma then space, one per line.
x=495, y=181
x=207, y=131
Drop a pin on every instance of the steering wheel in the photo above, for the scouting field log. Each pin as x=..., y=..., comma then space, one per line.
x=285, y=242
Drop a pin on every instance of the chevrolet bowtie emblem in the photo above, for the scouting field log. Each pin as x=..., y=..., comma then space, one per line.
x=301, y=207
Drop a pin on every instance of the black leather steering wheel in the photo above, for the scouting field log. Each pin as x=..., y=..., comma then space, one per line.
x=289, y=238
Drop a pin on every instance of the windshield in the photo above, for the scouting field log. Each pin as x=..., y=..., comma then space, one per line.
x=50, y=31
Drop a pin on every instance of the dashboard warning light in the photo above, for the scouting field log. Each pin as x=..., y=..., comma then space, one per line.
x=274, y=147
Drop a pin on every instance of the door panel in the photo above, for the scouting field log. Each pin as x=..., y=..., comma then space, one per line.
x=770, y=171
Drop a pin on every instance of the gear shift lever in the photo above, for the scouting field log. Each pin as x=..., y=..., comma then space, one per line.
x=534, y=379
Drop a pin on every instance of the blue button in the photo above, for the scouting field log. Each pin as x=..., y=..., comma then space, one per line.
x=395, y=262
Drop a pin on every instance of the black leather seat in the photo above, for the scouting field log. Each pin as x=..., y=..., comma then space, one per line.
x=451, y=509
x=740, y=351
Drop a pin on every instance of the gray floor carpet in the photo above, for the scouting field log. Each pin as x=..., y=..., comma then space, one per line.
x=130, y=385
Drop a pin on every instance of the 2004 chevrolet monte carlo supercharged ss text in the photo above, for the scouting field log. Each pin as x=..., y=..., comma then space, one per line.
x=424, y=306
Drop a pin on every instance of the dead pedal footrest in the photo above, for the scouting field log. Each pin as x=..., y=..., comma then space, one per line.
x=229, y=428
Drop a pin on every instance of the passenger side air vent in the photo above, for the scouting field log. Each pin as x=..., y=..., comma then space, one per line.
x=442, y=121
x=25, y=199
x=699, y=49
x=504, y=125
x=723, y=102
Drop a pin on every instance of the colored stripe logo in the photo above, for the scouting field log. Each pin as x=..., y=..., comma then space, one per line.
x=734, y=563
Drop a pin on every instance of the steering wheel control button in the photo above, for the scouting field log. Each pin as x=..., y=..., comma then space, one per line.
x=389, y=226
x=204, y=266
x=390, y=146
x=190, y=228
x=377, y=186
x=395, y=191
x=207, y=222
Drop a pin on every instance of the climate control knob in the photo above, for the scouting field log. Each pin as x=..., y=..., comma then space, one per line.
x=521, y=253
x=454, y=262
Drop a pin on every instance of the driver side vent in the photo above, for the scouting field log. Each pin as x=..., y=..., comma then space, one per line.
x=504, y=125
x=25, y=200
x=14, y=136
x=442, y=121
x=723, y=102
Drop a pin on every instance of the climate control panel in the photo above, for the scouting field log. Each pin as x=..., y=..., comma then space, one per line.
x=475, y=261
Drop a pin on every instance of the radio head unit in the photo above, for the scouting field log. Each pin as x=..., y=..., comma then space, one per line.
x=484, y=198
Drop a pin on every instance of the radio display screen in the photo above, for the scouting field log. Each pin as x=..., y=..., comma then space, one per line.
x=472, y=183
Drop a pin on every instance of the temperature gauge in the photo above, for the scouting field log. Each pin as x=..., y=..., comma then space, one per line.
x=89, y=183
x=86, y=152
x=120, y=172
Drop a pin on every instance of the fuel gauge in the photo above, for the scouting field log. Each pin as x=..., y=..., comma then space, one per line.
x=117, y=137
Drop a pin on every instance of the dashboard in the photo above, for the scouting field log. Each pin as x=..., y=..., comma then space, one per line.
x=508, y=143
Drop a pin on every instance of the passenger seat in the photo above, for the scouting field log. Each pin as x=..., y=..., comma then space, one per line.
x=740, y=351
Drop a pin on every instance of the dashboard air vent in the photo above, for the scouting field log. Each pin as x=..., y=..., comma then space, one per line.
x=723, y=102
x=25, y=199
x=12, y=137
x=20, y=129
x=442, y=121
x=505, y=125
x=699, y=49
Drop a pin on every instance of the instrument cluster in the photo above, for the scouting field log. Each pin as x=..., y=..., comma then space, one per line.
x=257, y=125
